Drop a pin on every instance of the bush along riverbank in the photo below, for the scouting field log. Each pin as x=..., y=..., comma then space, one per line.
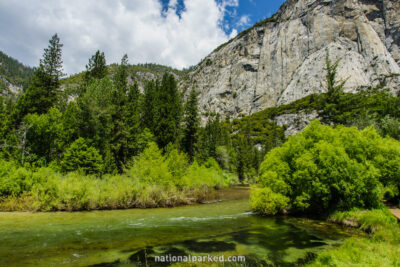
x=151, y=180
x=342, y=174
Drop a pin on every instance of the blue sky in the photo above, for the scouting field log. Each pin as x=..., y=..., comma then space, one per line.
x=252, y=10
x=177, y=33
x=255, y=10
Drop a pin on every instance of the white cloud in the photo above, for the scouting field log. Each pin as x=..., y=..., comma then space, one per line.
x=233, y=34
x=136, y=27
x=244, y=21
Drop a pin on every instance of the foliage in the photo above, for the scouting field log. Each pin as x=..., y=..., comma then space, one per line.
x=324, y=169
x=13, y=180
x=144, y=167
x=214, y=134
x=360, y=252
x=367, y=220
x=14, y=71
x=43, y=91
x=96, y=68
x=43, y=135
x=334, y=90
x=266, y=201
x=168, y=112
x=51, y=63
x=81, y=156
x=40, y=96
x=152, y=180
x=191, y=125
x=379, y=249
x=150, y=103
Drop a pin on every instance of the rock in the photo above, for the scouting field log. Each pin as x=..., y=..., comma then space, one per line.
x=295, y=123
x=283, y=59
x=11, y=89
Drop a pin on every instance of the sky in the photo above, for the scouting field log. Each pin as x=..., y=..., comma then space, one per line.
x=176, y=33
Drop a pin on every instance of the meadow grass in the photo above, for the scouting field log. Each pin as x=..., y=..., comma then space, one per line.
x=379, y=248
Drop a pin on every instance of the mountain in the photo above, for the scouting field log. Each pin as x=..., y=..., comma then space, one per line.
x=14, y=76
x=282, y=59
x=139, y=73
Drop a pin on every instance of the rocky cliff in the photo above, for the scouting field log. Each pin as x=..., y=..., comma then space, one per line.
x=7, y=88
x=282, y=59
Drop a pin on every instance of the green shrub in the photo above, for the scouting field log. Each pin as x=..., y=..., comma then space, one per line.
x=14, y=180
x=204, y=175
x=178, y=164
x=324, y=169
x=153, y=180
x=151, y=167
x=81, y=156
x=45, y=190
x=265, y=201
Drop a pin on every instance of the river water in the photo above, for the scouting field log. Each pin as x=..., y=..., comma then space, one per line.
x=135, y=237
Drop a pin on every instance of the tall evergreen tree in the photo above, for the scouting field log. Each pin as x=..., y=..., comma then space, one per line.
x=245, y=156
x=168, y=117
x=132, y=115
x=121, y=76
x=334, y=91
x=212, y=136
x=191, y=125
x=96, y=68
x=150, y=105
x=42, y=92
x=119, y=133
x=52, y=58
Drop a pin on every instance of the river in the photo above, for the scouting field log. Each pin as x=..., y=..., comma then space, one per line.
x=135, y=237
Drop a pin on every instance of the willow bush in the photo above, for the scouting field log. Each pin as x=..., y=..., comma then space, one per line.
x=324, y=169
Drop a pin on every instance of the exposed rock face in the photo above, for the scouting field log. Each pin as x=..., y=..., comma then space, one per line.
x=283, y=60
x=11, y=89
x=295, y=123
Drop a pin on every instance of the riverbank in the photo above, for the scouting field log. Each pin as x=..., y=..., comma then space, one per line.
x=152, y=180
x=379, y=248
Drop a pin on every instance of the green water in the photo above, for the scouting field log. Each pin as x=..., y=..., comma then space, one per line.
x=134, y=237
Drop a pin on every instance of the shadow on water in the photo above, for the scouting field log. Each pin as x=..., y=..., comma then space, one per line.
x=277, y=244
x=137, y=237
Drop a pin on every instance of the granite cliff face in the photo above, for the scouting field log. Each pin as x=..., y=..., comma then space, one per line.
x=9, y=89
x=283, y=58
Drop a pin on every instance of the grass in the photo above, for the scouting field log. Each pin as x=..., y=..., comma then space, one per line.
x=75, y=192
x=380, y=248
x=369, y=221
x=152, y=180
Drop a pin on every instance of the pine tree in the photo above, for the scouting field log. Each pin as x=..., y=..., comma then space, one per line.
x=42, y=92
x=245, y=157
x=150, y=105
x=334, y=92
x=80, y=155
x=215, y=134
x=121, y=76
x=96, y=68
x=119, y=133
x=52, y=58
x=168, y=117
x=191, y=125
x=132, y=115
